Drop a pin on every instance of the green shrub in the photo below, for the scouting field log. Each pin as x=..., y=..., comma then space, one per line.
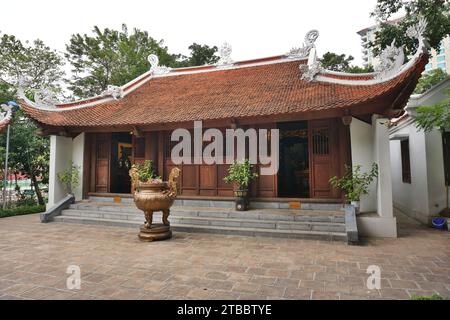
x=241, y=174
x=17, y=211
x=354, y=183
x=432, y=297
x=145, y=171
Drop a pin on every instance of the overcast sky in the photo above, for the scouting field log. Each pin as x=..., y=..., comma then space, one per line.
x=253, y=28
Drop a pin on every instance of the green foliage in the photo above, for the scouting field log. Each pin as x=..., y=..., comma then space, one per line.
x=430, y=79
x=21, y=210
x=357, y=69
x=436, y=12
x=435, y=116
x=241, y=174
x=336, y=62
x=111, y=57
x=40, y=66
x=354, y=183
x=341, y=63
x=145, y=171
x=28, y=152
x=200, y=55
x=432, y=297
x=70, y=178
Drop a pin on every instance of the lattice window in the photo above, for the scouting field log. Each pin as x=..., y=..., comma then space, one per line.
x=406, y=163
x=139, y=145
x=321, y=141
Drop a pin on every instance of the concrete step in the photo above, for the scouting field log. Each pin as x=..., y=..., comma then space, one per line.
x=254, y=204
x=244, y=231
x=214, y=221
x=256, y=214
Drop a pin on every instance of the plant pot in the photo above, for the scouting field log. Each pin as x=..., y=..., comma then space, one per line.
x=356, y=204
x=242, y=201
x=439, y=222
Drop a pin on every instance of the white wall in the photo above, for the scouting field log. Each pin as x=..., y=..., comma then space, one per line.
x=361, y=139
x=425, y=196
x=369, y=144
x=63, y=152
x=60, y=159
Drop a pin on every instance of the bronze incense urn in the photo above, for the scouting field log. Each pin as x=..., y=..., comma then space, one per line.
x=152, y=196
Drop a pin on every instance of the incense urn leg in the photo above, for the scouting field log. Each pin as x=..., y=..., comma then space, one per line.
x=148, y=219
x=165, y=217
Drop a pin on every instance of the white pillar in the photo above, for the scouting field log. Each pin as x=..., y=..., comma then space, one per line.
x=60, y=159
x=370, y=143
x=383, y=159
x=361, y=139
x=78, y=160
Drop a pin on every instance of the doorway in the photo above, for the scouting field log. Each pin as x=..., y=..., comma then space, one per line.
x=121, y=160
x=293, y=173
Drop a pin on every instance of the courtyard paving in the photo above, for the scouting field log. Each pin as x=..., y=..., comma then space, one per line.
x=115, y=265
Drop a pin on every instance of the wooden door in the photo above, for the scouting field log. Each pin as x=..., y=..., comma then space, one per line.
x=324, y=157
x=102, y=152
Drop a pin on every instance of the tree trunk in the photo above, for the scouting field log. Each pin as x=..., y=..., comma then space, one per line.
x=37, y=190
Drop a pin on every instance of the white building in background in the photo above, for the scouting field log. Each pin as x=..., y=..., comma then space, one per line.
x=438, y=59
x=420, y=162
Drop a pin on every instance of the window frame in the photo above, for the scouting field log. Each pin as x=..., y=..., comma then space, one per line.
x=405, y=156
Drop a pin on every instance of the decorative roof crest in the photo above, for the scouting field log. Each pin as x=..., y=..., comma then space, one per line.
x=113, y=91
x=43, y=97
x=392, y=58
x=312, y=68
x=391, y=61
x=303, y=52
x=225, y=55
x=155, y=68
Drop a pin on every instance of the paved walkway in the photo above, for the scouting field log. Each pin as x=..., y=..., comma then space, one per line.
x=114, y=265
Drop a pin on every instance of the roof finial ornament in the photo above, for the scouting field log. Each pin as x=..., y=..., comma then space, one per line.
x=114, y=91
x=45, y=97
x=418, y=31
x=392, y=57
x=155, y=68
x=312, y=68
x=225, y=55
x=303, y=52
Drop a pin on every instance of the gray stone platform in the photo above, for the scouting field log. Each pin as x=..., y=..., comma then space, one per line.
x=288, y=223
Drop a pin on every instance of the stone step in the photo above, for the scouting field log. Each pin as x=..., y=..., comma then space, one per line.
x=244, y=231
x=213, y=221
x=255, y=214
x=304, y=205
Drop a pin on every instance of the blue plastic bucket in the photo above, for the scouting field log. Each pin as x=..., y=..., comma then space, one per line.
x=438, y=222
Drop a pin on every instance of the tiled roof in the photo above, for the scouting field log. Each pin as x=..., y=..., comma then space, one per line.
x=266, y=89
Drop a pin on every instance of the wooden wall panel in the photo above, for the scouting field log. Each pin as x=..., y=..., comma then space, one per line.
x=325, y=157
x=103, y=154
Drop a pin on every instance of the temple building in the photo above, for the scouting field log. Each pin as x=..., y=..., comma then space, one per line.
x=326, y=120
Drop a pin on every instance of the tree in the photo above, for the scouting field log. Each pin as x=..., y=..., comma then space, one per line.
x=341, y=63
x=429, y=80
x=201, y=55
x=112, y=57
x=37, y=64
x=39, y=67
x=28, y=152
x=436, y=12
x=435, y=116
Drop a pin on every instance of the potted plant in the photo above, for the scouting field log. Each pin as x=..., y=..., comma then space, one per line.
x=354, y=183
x=69, y=178
x=145, y=173
x=240, y=173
